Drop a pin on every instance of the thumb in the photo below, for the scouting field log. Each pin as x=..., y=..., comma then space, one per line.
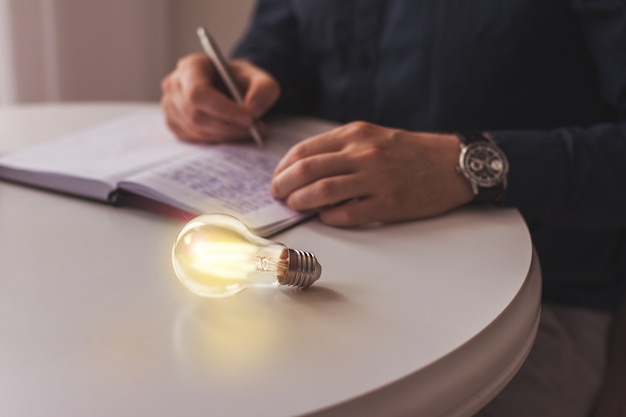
x=261, y=89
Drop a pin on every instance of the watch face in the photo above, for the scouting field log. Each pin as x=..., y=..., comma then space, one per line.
x=485, y=164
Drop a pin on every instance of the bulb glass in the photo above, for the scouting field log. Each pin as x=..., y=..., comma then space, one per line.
x=215, y=255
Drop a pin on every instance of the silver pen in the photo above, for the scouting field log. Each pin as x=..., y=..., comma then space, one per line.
x=217, y=58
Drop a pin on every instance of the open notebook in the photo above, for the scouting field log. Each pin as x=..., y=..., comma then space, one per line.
x=138, y=155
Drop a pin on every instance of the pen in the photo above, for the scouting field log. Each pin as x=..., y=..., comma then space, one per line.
x=213, y=51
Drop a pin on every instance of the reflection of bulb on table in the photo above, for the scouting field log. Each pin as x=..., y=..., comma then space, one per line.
x=215, y=255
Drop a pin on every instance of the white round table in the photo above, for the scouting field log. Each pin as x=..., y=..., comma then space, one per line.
x=424, y=318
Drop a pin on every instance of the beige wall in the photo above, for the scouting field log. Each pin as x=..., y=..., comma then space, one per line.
x=225, y=19
x=67, y=50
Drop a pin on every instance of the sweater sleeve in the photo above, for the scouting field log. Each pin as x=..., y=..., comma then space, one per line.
x=575, y=177
x=272, y=43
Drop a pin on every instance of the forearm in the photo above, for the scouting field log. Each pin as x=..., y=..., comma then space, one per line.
x=568, y=177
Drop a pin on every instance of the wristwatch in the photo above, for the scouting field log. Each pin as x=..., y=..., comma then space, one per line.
x=484, y=165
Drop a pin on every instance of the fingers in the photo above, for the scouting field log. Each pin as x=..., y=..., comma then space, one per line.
x=321, y=171
x=306, y=171
x=320, y=144
x=192, y=86
x=200, y=127
x=351, y=213
x=262, y=90
x=197, y=110
x=328, y=192
x=200, y=99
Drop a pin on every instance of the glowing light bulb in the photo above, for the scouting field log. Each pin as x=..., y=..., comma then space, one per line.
x=216, y=255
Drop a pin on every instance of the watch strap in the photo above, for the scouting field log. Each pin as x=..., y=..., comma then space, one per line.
x=472, y=136
x=489, y=195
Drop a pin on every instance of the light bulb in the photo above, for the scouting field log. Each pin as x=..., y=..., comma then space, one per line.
x=216, y=255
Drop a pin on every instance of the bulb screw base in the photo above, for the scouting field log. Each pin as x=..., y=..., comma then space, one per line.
x=302, y=271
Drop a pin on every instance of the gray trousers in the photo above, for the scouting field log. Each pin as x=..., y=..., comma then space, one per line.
x=563, y=372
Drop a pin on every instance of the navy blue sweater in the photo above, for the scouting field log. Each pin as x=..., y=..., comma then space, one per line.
x=547, y=78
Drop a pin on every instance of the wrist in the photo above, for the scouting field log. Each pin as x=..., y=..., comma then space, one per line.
x=460, y=188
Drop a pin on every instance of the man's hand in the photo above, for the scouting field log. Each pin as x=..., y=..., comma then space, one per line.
x=198, y=109
x=363, y=173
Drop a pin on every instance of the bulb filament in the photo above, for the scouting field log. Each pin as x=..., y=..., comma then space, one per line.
x=266, y=264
